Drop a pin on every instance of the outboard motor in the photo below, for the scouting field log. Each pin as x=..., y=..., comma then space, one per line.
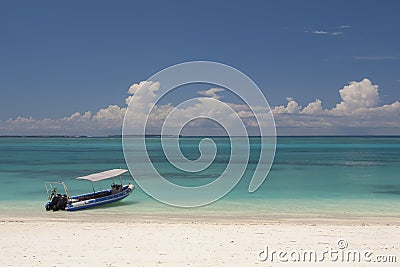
x=51, y=205
x=61, y=203
x=58, y=202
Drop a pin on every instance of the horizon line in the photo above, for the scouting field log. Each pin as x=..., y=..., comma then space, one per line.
x=184, y=136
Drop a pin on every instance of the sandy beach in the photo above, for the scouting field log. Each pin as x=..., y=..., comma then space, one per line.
x=200, y=134
x=59, y=241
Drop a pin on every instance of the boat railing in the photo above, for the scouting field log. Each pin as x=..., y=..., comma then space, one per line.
x=51, y=189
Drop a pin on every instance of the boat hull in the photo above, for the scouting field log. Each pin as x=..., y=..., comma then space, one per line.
x=89, y=203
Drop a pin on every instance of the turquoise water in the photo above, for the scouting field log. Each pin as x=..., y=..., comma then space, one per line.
x=344, y=176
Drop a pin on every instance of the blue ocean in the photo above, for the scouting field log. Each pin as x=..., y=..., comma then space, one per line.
x=311, y=176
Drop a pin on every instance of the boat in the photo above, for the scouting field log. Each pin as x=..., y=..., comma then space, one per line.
x=118, y=191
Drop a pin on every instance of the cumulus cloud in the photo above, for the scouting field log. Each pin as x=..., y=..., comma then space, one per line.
x=212, y=92
x=110, y=117
x=359, y=107
x=313, y=108
x=291, y=107
x=143, y=91
x=359, y=112
x=357, y=95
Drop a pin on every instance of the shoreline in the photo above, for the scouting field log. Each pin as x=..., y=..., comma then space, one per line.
x=227, y=219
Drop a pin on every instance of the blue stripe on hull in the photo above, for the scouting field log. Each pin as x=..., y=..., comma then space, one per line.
x=100, y=201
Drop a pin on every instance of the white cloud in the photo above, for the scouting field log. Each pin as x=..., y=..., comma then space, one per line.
x=291, y=107
x=143, y=91
x=212, y=92
x=320, y=32
x=358, y=112
x=78, y=117
x=313, y=108
x=359, y=107
x=332, y=32
x=110, y=117
x=357, y=95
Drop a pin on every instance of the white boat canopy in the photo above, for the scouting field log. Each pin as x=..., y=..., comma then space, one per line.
x=102, y=175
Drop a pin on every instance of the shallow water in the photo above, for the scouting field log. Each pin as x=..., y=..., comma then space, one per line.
x=341, y=176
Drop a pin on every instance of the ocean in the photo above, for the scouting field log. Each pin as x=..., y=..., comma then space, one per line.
x=311, y=176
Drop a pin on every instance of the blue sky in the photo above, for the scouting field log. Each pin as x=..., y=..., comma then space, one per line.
x=58, y=58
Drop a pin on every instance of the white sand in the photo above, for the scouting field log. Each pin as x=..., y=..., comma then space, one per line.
x=58, y=242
